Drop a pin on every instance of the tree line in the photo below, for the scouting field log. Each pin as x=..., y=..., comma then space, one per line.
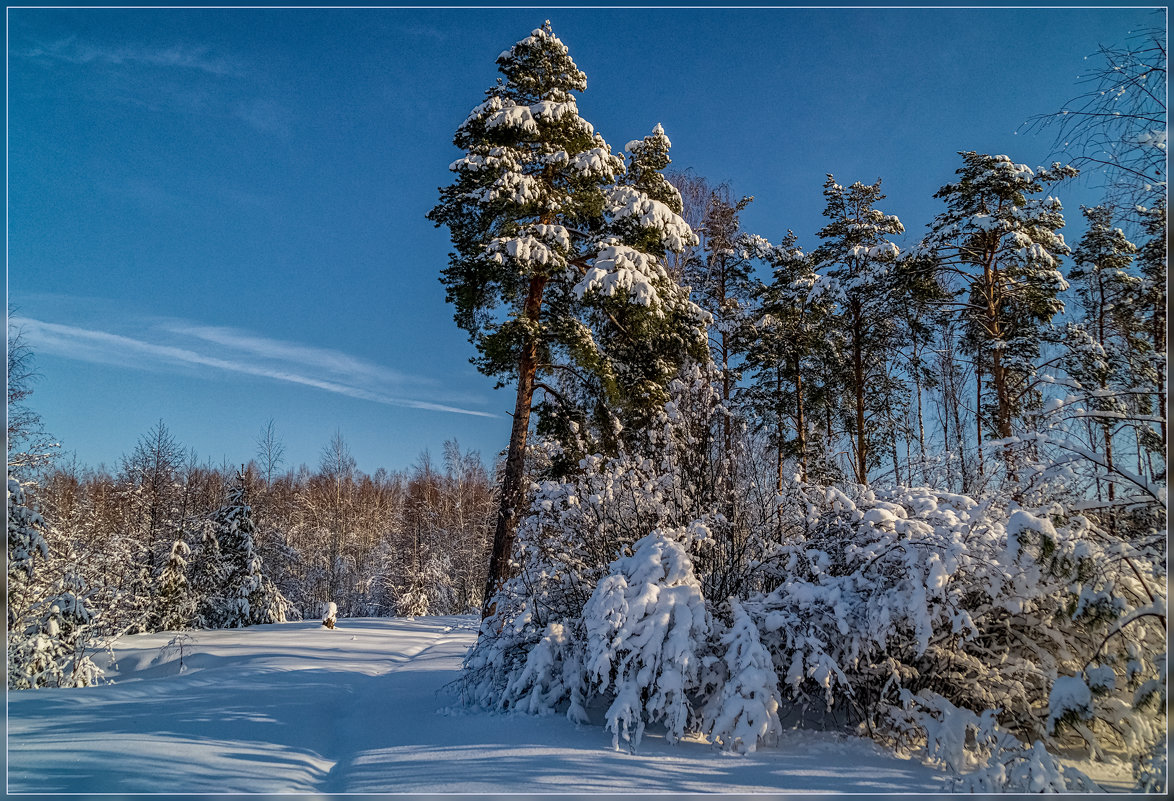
x=167, y=543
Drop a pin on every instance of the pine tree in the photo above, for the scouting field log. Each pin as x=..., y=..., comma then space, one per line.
x=1099, y=350
x=551, y=251
x=789, y=342
x=996, y=249
x=720, y=276
x=919, y=325
x=1152, y=263
x=859, y=261
x=648, y=343
x=647, y=160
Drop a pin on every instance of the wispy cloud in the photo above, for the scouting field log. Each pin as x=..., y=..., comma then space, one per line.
x=263, y=115
x=173, y=77
x=336, y=362
x=219, y=349
x=426, y=32
x=191, y=57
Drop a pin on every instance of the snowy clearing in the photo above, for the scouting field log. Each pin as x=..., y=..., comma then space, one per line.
x=298, y=708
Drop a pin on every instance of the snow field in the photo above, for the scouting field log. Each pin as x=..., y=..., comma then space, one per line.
x=364, y=708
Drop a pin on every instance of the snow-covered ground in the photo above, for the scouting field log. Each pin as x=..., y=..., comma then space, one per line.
x=363, y=708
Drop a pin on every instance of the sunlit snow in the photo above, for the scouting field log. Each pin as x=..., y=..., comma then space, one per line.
x=362, y=708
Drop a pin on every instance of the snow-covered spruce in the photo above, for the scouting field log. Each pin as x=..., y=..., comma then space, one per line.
x=645, y=623
x=245, y=596
x=52, y=645
x=51, y=628
x=26, y=539
x=176, y=604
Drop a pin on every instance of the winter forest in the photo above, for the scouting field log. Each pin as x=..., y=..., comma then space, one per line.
x=907, y=485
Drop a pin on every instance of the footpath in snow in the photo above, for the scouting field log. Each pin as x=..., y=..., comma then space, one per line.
x=362, y=708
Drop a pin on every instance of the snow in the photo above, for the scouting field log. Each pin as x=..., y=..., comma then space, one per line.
x=1069, y=696
x=619, y=269
x=294, y=707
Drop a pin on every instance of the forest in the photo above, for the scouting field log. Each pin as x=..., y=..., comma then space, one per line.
x=911, y=486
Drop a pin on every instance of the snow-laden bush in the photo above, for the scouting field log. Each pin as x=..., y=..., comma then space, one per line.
x=744, y=712
x=580, y=530
x=860, y=598
x=995, y=608
x=51, y=646
x=645, y=624
x=983, y=757
x=637, y=641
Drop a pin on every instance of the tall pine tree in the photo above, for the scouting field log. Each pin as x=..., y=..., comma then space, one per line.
x=996, y=248
x=858, y=262
x=556, y=257
x=1099, y=350
x=789, y=344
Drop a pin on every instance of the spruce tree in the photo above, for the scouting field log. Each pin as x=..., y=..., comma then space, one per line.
x=50, y=626
x=26, y=539
x=996, y=248
x=206, y=572
x=247, y=597
x=556, y=259
x=176, y=606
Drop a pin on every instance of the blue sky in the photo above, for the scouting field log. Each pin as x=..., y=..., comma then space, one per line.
x=216, y=217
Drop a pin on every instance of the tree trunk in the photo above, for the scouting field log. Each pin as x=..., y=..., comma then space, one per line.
x=728, y=441
x=800, y=421
x=1159, y=337
x=1109, y=460
x=778, y=449
x=978, y=411
x=858, y=375
x=920, y=430
x=896, y=462
x=512, y=495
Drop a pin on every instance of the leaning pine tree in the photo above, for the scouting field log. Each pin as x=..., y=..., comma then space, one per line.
x=558, y=263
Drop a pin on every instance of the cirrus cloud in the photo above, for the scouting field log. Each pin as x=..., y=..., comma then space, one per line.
x=228, y=350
